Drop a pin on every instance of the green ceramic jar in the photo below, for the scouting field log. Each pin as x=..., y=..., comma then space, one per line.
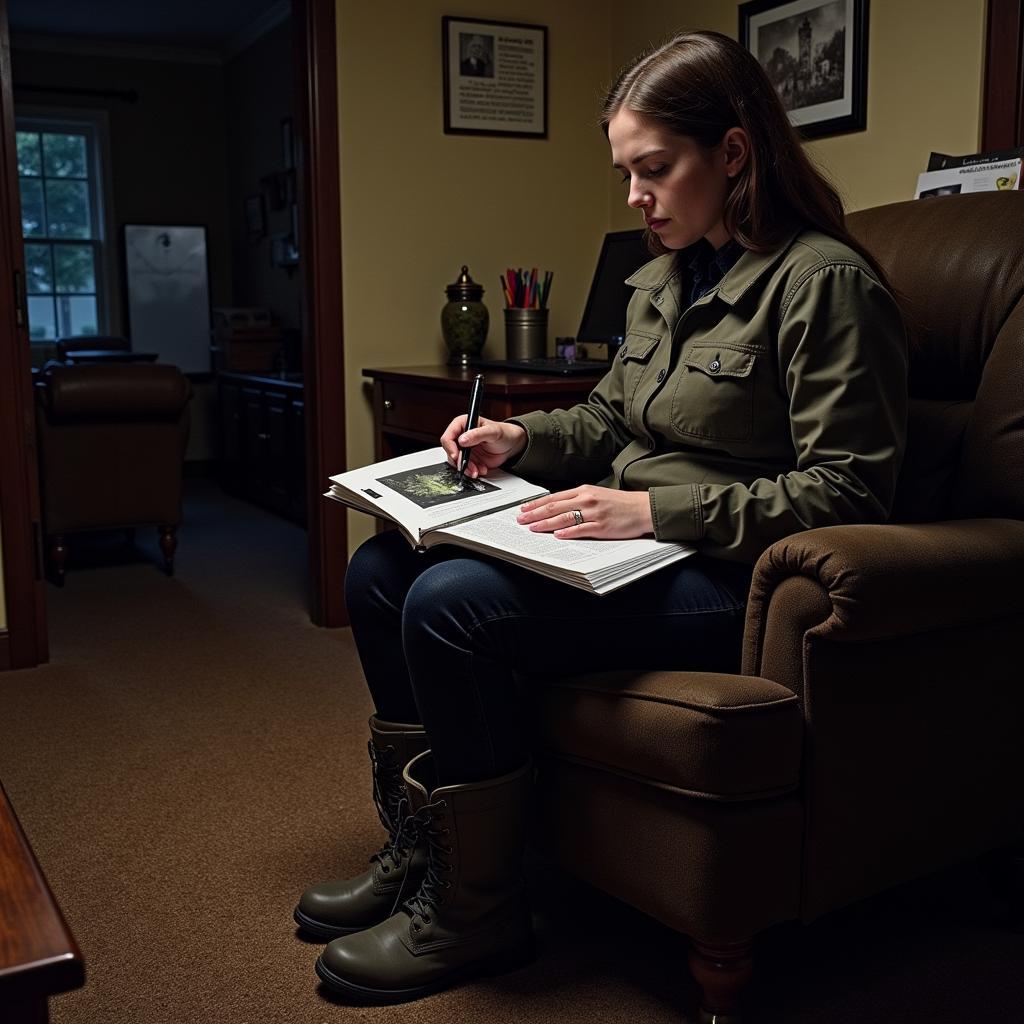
x=464, y=320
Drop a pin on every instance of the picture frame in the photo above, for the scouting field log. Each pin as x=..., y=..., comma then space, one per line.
x=816, y=54
x=495, y=77
x=255, y=217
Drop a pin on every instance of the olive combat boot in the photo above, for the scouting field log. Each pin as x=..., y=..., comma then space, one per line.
x=330, y=909
x=470, y=915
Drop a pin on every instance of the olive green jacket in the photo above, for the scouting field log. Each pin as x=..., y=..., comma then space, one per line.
x=775, y=403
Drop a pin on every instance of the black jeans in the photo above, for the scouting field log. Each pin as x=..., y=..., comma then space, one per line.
x=443, y=637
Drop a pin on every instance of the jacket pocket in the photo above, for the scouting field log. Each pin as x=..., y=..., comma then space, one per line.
x=714, y=395
x=635, y=353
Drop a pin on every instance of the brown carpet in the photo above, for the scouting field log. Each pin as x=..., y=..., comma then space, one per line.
x=194, y=756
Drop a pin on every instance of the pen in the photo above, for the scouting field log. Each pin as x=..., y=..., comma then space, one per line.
x=475, y=398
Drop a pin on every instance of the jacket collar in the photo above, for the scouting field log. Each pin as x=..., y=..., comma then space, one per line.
x=660, y=272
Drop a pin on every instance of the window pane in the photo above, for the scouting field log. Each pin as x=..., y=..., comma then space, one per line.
x=67, y=209
x=29, y=161
x=74, y=267
x=64, y=156
x=33, y=221
x=77, y=315
x=38, y=268
x=41, y=323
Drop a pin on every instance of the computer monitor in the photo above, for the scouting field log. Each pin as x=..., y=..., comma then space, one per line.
x=604, y=317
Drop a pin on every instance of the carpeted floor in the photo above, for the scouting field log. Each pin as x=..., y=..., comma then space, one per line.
x=194, y=756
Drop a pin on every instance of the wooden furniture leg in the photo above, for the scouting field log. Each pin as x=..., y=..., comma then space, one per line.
x=58, y=557
x=168, y=545
x=721, y=972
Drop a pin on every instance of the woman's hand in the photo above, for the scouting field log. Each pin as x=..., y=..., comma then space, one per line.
x=607, y=513
x=491, y=443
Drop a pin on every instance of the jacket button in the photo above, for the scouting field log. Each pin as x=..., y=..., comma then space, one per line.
x=658, y=299
x=661, y=376
x=714, y=366
x=622, y=352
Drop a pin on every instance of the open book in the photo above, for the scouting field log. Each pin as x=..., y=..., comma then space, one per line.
x=431, y=504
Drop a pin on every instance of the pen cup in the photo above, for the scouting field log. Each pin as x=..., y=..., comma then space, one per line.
x=526, y=333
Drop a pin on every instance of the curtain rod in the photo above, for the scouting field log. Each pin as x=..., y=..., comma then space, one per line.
x=128, y=95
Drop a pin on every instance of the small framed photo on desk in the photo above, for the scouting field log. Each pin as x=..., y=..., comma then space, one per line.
x=495, y=78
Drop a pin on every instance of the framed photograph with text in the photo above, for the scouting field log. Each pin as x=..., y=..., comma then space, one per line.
x=816, y=54
x=495, y=78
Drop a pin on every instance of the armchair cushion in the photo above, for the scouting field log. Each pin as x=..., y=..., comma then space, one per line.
x=703, y=734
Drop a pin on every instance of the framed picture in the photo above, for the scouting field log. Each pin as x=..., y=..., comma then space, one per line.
x=255, y=217
x=495, y=78
x=816, y=54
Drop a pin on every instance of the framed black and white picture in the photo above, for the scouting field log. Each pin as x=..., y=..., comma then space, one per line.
x=816, y=54
x=495, y=78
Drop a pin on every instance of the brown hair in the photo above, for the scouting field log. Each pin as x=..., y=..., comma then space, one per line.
x=701, y=84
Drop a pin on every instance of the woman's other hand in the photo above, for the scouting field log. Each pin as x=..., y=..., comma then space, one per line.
x=490, y=442
x=608, y=513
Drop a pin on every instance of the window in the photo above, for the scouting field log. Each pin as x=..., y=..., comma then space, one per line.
x=58, y=176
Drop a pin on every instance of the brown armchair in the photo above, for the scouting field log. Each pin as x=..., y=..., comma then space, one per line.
x=111, y=441
x=876, y=734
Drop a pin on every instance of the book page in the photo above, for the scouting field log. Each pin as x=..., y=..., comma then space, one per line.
x=422, y=492
x=501, y=532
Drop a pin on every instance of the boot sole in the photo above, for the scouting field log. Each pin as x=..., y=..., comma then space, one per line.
x=315, y=929
x=500, y=963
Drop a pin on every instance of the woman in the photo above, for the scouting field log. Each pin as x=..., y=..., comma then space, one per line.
x=760, y=390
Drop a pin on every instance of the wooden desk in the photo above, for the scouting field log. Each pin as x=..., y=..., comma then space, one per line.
x=109, y=355
x=38, y=955
x=413, y=404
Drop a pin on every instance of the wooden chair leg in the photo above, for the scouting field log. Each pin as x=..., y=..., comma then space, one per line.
x=721, y=971
x=58, y=557
x=168, y=545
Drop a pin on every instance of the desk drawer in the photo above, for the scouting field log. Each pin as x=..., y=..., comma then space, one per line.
x=417, y=410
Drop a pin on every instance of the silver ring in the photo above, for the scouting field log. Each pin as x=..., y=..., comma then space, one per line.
x=578, y=516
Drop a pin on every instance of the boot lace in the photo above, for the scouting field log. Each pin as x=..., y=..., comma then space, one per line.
x=388, y=787
x=429, y=897
x=401, y=842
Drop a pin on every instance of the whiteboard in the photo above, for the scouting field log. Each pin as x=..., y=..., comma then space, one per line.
x=169, y=294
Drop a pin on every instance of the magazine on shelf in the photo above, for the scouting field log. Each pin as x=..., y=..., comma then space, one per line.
x=996, y=170
x=431, y=504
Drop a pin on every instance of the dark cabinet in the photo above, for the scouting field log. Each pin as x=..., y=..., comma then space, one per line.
x=263, y=456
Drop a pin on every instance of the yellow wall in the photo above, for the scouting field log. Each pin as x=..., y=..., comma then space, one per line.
x=925, y=62
x=417, y=204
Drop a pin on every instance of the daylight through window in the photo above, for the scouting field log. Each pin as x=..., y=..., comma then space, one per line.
x=60, y=224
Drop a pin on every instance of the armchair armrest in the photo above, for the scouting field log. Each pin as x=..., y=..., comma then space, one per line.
x=900, y=642
x=898, y=579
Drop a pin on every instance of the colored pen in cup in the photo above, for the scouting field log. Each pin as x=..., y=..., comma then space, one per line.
x=475, y=398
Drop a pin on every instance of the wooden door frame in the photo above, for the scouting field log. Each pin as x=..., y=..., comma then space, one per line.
x=316, y=121
x=1003, y=97
x=24, y=641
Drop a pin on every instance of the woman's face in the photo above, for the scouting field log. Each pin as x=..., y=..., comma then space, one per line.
x=679, y=185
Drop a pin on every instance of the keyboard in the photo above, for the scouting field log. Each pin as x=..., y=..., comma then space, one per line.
x=549, y=365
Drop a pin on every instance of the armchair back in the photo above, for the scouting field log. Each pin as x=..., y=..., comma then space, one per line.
x=111, y=442
x=957, y=263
